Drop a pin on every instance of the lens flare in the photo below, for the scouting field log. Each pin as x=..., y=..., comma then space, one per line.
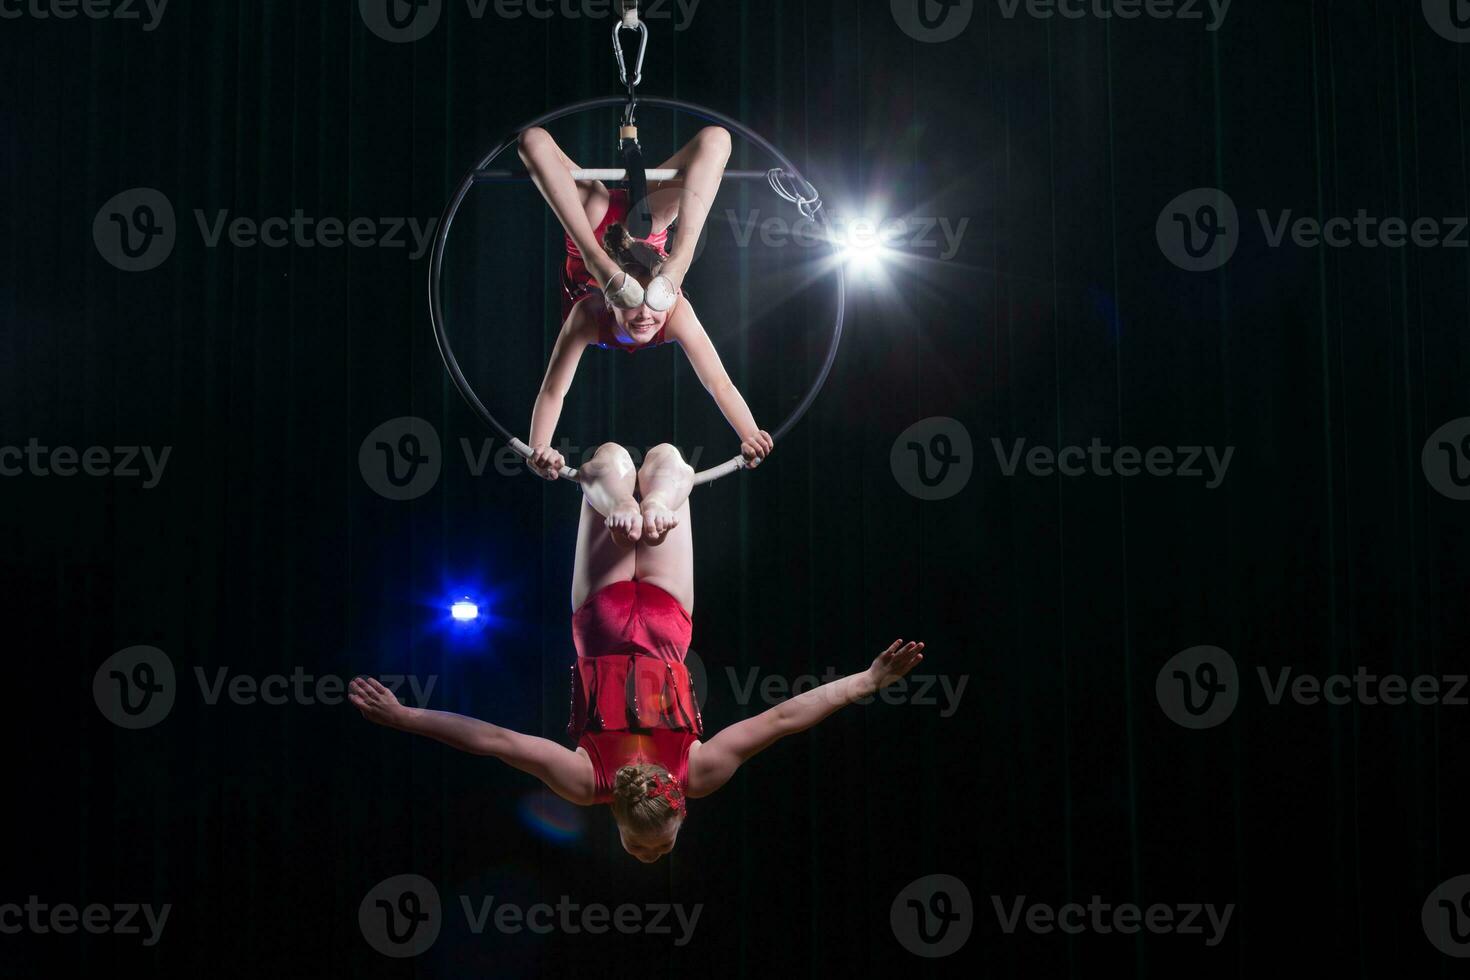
x=552, y=818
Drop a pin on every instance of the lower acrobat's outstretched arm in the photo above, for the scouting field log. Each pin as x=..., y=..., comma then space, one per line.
x=712, y=765
x=566, y=773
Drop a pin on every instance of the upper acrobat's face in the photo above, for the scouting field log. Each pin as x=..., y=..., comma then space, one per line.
x=641, y=323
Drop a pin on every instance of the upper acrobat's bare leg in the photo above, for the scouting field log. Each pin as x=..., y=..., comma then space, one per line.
x=702, y=164
x=551, y=169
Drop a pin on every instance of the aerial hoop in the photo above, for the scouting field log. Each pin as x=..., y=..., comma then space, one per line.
x=785, y=180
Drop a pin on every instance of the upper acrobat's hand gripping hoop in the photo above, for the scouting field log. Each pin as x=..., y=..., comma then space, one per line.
x=786, y=180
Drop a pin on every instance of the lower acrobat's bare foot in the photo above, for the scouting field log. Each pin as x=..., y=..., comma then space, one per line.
x=658, y=520
x=625, y=523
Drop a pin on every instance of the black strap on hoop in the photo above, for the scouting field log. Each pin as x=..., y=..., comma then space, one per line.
x=640, y=212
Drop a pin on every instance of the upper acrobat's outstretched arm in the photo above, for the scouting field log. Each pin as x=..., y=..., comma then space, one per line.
x=684, y=326
x=713, y=763
x=546, y=413
x=564, y=772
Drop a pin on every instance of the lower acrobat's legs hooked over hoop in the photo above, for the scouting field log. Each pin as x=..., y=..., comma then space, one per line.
x=664, y=483
x=620, y=539
x=608, y=480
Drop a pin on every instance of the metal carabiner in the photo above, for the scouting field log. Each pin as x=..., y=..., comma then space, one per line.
x=642, y=30
x=805, y=196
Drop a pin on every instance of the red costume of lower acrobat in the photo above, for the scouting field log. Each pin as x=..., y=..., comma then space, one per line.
x=578, y=283
x=632, y=698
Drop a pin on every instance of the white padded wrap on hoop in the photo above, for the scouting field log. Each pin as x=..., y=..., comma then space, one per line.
x=630, y=18
x=524, y=451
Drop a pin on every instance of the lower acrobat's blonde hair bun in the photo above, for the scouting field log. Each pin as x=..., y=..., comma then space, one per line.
x=632, y=805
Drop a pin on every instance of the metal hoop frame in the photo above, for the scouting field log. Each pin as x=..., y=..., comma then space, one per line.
x=436, y=269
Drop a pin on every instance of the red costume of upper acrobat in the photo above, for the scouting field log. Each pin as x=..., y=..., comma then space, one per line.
x=578, y=283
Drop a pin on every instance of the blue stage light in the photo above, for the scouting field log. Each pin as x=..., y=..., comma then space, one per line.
x=464, y=611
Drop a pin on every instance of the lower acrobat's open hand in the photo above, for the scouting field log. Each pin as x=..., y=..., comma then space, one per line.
x=893, y=663
x=377, y=704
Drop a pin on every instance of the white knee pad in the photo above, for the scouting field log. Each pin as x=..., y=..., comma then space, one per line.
x=661, y=294
x=624, y=292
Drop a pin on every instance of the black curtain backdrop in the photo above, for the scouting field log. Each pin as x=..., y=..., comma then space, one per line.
x=1058, y=772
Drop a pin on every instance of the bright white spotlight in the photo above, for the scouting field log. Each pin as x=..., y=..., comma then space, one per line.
x=864, y=258
x=464, y=611
x=863, y=249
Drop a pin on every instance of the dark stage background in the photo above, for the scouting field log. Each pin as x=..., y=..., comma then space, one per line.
x=1334, y=542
